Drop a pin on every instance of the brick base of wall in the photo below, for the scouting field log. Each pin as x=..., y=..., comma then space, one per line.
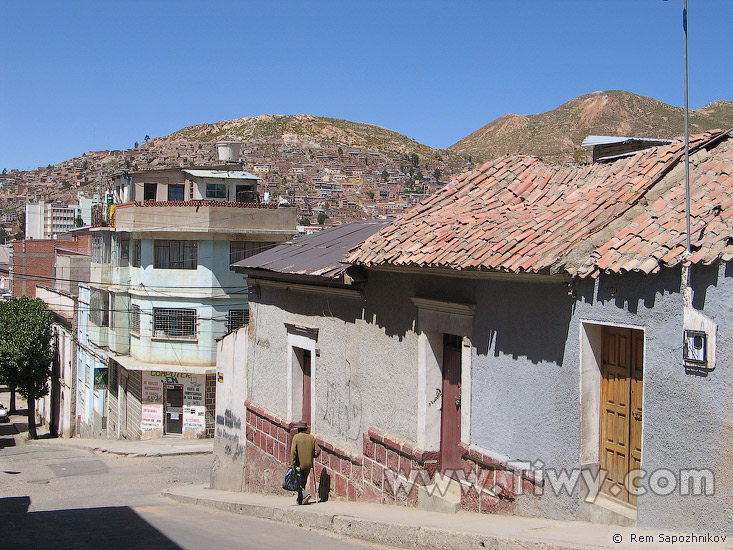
x=388, y=471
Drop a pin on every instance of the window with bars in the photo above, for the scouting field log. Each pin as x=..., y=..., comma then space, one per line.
x=237, y=318
x=175, y=254
x=135, y=319
x=239, y=250
x=99, y=254
x=137, y=253
x=174, y=323
x=98, y=307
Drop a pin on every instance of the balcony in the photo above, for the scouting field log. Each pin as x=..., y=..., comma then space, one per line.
x=198, y=216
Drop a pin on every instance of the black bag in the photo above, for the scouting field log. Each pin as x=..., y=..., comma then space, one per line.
x=292, y=480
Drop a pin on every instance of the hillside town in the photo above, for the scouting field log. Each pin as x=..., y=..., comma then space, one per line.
x=337, y=182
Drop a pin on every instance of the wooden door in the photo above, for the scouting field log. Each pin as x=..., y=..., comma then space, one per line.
x=450, y=416
x=306, y=417
x=621, y=408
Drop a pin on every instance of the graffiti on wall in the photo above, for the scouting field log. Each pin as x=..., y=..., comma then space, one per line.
x=344, y=407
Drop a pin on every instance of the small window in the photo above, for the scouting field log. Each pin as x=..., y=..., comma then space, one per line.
x=149, y=191
x=216, y=190
x=175, y=254
x=135, y=319
x=111, y=309
x=136, y=260
x=174, y=323
x=124, y=252
x=239, y=250
x=98, y=307
x=176, y=193
x=237, y=318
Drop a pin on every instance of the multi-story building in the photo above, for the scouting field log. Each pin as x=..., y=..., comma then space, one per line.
x=46, y=220
x=161, y=292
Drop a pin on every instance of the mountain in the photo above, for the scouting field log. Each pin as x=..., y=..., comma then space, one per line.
x=303, y=131
x=559, y=133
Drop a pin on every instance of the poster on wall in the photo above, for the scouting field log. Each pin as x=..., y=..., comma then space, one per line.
x=151, y=417
x=100, y=379
x=194, y=418
x=152, y=389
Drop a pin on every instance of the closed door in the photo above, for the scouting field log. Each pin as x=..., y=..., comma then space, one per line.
x=306, y=416
x=173, y=409
x=450, y=416
x=621, y=412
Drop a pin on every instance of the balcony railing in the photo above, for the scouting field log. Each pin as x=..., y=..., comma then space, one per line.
x=195, y=215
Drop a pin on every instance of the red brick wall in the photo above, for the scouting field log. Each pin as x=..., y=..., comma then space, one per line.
x=388, y=470
x=33, y=261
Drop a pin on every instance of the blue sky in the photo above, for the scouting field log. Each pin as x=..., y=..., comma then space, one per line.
x=77, y=76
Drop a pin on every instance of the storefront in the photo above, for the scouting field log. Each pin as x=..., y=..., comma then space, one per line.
x=161, y=400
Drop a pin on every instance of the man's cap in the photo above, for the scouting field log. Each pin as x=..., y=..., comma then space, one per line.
x=300, y=425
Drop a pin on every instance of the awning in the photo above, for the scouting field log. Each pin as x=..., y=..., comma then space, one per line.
x=130, y=363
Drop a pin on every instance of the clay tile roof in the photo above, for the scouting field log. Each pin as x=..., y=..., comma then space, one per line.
x=520, y=214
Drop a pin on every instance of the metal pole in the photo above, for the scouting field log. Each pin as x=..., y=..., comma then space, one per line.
x=687, y=134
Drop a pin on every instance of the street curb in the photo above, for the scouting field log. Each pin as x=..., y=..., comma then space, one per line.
x=379, y=532
x=130, y=454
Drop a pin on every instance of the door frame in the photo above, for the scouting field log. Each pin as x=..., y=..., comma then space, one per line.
x=300, y=337
x=434, y=318
x=166, y=388
x=591, y=352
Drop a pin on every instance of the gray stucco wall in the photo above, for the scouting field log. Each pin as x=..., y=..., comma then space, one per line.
x=365, y=368
x=525, y=372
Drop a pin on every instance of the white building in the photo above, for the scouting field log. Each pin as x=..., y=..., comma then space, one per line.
x=46, y=220
x=161, y=292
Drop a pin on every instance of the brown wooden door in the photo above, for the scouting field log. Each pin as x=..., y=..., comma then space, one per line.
x=306, y=417
x=450, y=417
x=621, y=408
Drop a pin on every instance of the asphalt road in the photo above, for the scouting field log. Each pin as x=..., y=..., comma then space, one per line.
x=55, y=497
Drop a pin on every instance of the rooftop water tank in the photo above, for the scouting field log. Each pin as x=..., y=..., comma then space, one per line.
x=229, y=150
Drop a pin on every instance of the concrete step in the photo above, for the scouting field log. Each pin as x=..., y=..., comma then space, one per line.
x=609, y=511
x=444, y=495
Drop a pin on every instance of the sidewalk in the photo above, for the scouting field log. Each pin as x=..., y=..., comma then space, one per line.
x=17, y=429
x=411, y=528
x=164, y=446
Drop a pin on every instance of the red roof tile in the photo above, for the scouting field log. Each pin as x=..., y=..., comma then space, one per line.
x=520, y=214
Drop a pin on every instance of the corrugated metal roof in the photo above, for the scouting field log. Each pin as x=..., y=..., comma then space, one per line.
x=592, y=141
x=221, y=174
x=320, y=254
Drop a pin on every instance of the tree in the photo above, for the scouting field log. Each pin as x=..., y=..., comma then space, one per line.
x=65, y=185
x=85, y=164
x=370, y=194
x=5, y=171
x=137, y=145
x=4, y=235
x=437, y=174
x=385, y=176
x=304, y=221
x=27, y=350
x=147, y=138
x=79, y=221
x=322, y=217
x=415, y=159
x=21, y=225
